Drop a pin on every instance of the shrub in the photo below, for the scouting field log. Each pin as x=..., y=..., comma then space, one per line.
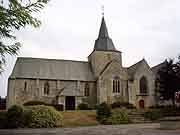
x=130, y=106
x=59, y=107
x=103, y=111
x=44, y=117
x=170, y=111
x=32, y=116
x=84, y=106
x=16, y=117
x=34, y=102
x=121, y=116
x=3, y=119
x=153, y=115
x=118, y=117
x=122, y=105
x=157, y=107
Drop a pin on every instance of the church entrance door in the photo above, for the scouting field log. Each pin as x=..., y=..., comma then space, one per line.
x=70, y=103
x=141, y=103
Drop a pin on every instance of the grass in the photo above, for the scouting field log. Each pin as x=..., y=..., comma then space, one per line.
x=79, y=118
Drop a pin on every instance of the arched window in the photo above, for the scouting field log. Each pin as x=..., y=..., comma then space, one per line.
x=86, y=89
x=143, y=85
x=25, y=86
x=116, y=85
x=46, y=88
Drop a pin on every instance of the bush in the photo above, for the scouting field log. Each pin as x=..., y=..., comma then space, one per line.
x=3, y=119
x=31, y=103
x=59, y=107
x=130, y=106
x=157, y=107
x=170, y=111
x=84, y=106
x=32, y=117
x=122, y=105
x=153, y=115
x=103, y=111
x=44, y=117
x=16, y=117
x=118, y=117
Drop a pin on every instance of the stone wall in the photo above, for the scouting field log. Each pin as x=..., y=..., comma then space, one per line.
x=18, y=94
x=105, y=83
x=134, y=87
x=99, y=59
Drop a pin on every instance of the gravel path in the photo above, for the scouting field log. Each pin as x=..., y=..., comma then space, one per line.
x=130, y=129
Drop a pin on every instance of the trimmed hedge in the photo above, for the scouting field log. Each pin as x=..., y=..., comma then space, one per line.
x=157, y=107
x=167, y=110
x=84, y=106
x=170, y=111
x=122, y=105
x=153, y=114
x=34, y=102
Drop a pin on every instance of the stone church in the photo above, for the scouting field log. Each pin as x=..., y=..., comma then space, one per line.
x=100, y=79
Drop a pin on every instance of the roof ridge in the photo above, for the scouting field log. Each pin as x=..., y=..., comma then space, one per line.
x=158, y=64
x=135, y=64
x=51, y=59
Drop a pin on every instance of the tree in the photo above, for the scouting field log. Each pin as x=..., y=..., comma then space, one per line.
x=178, y=67
x=168, y=80
x=14, y=15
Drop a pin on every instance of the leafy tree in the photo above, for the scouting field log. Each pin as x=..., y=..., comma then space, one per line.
x=16, y=14
x=178, y=67
x=168, y=80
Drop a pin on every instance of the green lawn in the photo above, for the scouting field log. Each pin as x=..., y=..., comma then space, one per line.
x=79, y=118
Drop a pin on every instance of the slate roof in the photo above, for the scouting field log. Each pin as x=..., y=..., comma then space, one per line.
x=156, y=68
x=132, y=69
x=104, y=42
x=52, y=69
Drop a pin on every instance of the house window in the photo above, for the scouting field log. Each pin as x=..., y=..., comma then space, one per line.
x=143, y=85
x=86, y=90
x=46, y=88
x=116, y=85
x=25, y=86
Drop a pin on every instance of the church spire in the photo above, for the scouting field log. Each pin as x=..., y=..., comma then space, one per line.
x=104, y=42
x=103, y=32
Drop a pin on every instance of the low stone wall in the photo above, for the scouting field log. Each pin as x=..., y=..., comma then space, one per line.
x=170, y=123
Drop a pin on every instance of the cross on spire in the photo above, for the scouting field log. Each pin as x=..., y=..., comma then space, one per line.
x=102, y=8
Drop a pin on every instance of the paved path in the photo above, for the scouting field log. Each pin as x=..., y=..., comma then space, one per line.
x=131, y=129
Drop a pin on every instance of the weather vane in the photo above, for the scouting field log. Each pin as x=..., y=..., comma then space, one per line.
x=102, y=10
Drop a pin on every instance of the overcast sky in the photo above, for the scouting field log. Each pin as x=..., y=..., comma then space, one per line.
x=138, y=28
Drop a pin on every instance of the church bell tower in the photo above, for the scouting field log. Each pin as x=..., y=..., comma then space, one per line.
x=104, y=51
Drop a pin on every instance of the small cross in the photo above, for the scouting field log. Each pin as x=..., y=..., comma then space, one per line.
x=102, y=10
